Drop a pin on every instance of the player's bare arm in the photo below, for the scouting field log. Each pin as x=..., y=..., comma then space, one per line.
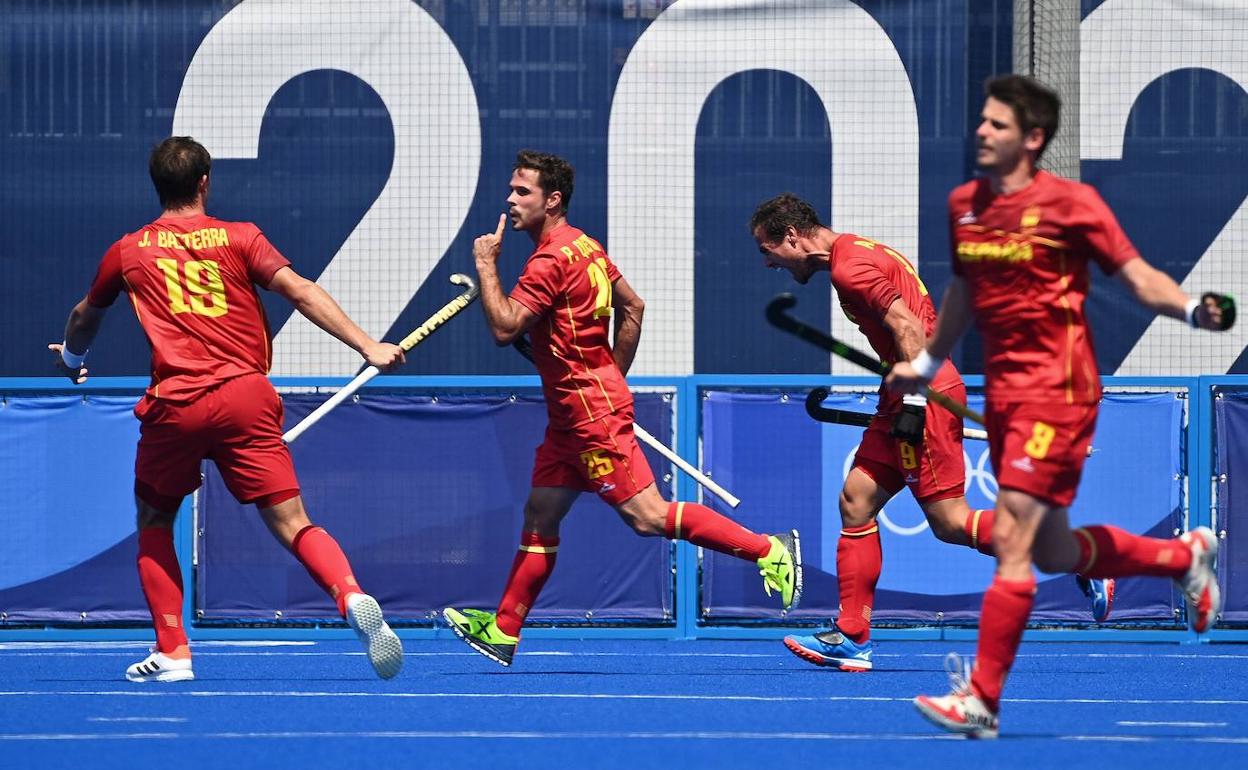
x=906, y=328
x=952, y=320
x=507, y=318
x=629, y=309
x=80, y=330
x=1158, y=292
x=315, y=304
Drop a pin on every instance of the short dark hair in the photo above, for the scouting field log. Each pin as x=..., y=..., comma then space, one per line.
x=553, y=173
x=1035, y=105
x=786, y=210
x=176, y=166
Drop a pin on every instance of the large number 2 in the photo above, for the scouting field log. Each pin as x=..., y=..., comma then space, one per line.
x=598, y=280
x=437, y=135
x=203, y=283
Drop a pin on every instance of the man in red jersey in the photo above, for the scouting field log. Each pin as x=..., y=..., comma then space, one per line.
x=1022, y=241
x=909, y=443
x=566, y=298
x=191, y=279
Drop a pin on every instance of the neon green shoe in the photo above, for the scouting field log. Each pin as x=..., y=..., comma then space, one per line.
x=478, y=629
x=781, y=569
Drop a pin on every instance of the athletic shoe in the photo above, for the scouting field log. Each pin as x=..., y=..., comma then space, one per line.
x=781, y=569
x=1100, y=593
x=831, y=648
x=159, y=667
x=961, y=711
x=480, y=631
x=385, y=651
x=1200, y=584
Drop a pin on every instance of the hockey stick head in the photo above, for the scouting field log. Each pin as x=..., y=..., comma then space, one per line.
x=778, y=306
x=460, y=279
x=814, y=401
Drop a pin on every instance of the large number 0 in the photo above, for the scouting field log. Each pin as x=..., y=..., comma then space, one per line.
x=437, y=135
x=598, y=279
x=202, y=279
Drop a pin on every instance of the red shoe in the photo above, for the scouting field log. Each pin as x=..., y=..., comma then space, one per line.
x=1200, y=584
x=961, y=711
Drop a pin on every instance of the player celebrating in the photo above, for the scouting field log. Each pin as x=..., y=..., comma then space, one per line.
x=565, y=298
x=1023, y=239
x=909, y=443
x=190, y=277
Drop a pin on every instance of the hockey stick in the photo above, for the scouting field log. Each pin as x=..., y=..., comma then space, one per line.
x=815, y=408
x=778, y=318
x=522, y=345
x=435, y=321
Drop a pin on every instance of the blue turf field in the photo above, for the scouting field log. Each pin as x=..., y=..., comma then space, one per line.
x=631, y=704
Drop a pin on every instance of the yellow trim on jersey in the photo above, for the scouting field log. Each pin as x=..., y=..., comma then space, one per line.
x=1029, y=237
x=1070, y=329
x=572, y=322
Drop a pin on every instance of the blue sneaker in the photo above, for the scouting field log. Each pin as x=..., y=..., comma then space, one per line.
x=831, y=648
x=1101, y=592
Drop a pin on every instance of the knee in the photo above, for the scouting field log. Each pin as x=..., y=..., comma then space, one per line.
x=855, y=511
x=1048, y=564
x=648, y=521
x=947, y=531
x=539, y=521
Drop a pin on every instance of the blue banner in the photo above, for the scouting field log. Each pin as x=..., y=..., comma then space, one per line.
x=1230, y=474
x=426, y=496
x=789, y=470
x=67, y=510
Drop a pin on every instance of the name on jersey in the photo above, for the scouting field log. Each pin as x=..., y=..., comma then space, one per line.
x=586, y=247
x=205, y=238
x=993, y=251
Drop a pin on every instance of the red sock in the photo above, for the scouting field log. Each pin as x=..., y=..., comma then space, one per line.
x=858, y=563
x=161, y=580
x=533, y=564
x=1007, y=603
x=978, y=528
x=702, y=526
x=324, y=560
x=1111, y=552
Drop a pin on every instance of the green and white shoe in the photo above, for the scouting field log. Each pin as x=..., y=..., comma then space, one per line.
x=781, y=569
x=478, y=629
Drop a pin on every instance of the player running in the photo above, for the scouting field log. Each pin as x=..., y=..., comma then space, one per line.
x=565, y=298
x=190, y=277
x=909, y=442
x=1023, y=240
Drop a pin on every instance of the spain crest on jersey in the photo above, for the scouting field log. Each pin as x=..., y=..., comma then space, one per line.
x=1031, y=217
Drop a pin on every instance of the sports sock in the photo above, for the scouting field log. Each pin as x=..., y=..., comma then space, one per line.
x=978, y=528
x=1007, y=604
x=161, y=580
x=1106, y=551
x=702, y=526
x=534, y=562
x=858, y=563
x=324, y=560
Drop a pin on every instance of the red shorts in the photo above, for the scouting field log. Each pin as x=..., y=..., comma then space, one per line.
x=1040, y=448
x=934, y=470
x=238, y=425
x=600, y=457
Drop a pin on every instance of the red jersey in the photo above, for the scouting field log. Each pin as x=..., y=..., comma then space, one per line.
x=1025, y=257
x=191, y=281
x=868, y=278
x=567, y=283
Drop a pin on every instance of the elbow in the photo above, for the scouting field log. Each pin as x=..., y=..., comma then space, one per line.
x=505, y=336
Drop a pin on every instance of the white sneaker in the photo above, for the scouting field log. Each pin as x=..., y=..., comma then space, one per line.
x=385, y=651
x=1200, y=584
x=961, y=711
x=159, y=667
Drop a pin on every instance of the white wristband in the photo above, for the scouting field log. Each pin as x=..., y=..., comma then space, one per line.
x=915, y=399
x=72, y=360
x=1190, y=313
x=926, y=366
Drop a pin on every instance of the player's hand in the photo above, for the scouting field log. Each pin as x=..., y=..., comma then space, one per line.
x=1216, y=312
x=486, y=248
x=77, y=376
x=908, y=423
x=902, y=378
x=385, y=356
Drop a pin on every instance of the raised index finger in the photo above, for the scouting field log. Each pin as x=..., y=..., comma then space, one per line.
x=502, y=225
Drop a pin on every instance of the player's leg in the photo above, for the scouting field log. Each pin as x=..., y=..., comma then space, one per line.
x=496, y=634
x=166, y=469
x=256, y=467
x=859, y=559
